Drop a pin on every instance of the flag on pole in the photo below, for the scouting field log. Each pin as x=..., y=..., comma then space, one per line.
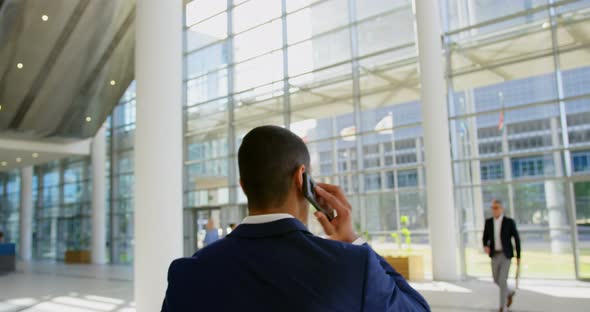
x=462, y=128
x=501, y=120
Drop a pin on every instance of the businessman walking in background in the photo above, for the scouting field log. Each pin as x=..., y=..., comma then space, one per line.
x=497, y=241
x=273, y=262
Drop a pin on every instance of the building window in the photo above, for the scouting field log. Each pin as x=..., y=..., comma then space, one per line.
x=490, y=148
x=325, y=169
x=373, y=181
x=531, y=166
x=407, y=178
x=406, y=158
x=389, y=180
x=581, y=161
x=372, y=162
x=492, y=170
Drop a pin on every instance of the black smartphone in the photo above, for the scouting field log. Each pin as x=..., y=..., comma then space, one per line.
x=309, y=193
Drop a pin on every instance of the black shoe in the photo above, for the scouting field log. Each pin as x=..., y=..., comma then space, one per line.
x=510, y=297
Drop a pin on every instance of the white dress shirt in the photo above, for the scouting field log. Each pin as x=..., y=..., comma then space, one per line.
x=497, y=231
x=265, y=218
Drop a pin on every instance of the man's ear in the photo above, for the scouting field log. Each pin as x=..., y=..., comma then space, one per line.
x=298, y=178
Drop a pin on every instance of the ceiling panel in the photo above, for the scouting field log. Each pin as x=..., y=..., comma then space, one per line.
x=69, y=62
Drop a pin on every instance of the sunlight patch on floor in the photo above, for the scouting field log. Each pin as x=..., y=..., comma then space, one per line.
x=561, y=292
x=72, y=303
x=441, y=287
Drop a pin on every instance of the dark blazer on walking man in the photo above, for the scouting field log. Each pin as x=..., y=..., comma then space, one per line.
x=497, y=241
x=271, y=262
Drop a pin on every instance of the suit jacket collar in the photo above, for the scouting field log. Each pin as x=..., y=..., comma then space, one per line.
x=274, y=228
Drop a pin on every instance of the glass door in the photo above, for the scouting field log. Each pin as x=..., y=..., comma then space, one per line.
x=201, y=227
x=44, y=238
x=582, y=201
x=63, y=229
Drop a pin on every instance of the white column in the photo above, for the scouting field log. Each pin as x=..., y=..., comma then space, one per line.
x=99, y=225
x=508, y=172
x=26, y=213
x=158, y=148
x=437, y=148
x=555, y=196
x=420, y=162
x=478, y=205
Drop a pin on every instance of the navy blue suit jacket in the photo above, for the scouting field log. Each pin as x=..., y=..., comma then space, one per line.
x=281, y=266
x=507, y=232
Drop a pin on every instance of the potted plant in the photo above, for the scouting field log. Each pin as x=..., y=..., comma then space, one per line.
x=407, y=263
x=79, y=252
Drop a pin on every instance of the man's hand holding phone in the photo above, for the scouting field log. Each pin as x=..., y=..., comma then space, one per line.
x=332, y=197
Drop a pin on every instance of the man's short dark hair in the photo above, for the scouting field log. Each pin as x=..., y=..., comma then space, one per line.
x=267, y=159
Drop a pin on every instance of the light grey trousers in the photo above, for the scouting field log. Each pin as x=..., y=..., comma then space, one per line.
x=500, y=269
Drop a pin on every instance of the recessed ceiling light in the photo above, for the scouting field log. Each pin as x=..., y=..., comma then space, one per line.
x=113, y=82
x=88, y=119
x=4, y=164
x=18, y=159
x=45, y=18
x=35, y=155
x=546, y=25
x=19, y=65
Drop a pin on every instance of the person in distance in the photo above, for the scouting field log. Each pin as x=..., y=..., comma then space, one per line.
x=497, y=241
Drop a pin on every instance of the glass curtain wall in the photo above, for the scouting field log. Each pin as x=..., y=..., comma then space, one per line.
x=62, y=206
x=341, y=74
x=120, y=144
x=10, y=205
x=519, y=103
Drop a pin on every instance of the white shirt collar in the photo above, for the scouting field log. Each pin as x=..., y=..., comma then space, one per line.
x=265, y=218
x=499, y=218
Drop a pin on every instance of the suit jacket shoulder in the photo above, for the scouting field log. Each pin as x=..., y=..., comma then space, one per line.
x=509, y=221
x=489, y=222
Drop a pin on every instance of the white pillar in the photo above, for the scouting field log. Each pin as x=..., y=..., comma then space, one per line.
x=555, y=196
x=158, y=147
x=508, y=173
x=26, y=213
x=437, y=148
x=478, y=205
x=99, y=225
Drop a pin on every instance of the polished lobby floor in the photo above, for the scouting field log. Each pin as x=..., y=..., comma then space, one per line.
x=55, y=287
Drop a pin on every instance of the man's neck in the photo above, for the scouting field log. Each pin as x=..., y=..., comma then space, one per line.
x=259, y=212
x=288, y=209
x=499, y=217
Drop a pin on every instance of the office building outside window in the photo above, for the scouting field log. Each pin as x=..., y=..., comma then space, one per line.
x=121, y=178
x=9, y=205
x=519, y=104
x=62, y=209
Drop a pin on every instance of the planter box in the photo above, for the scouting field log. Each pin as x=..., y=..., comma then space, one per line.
x=410, y=267
x=77, y=256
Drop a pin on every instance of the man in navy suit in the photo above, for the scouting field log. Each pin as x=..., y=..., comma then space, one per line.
x=497, y=241
x=271, y=262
